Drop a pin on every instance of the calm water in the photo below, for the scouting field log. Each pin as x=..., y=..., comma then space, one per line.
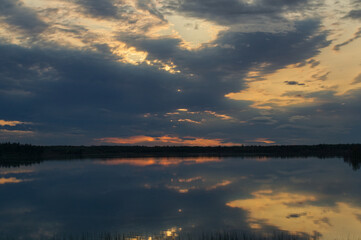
x=151, y=195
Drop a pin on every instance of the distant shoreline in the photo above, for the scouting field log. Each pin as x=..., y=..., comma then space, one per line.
x=19, y=154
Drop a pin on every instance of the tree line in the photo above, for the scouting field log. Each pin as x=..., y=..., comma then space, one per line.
x=16, y=153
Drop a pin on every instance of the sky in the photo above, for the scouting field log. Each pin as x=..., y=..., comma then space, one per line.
x=180, y=72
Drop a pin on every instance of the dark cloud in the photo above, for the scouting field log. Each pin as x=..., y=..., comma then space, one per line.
x=354, y=14
x=21, y=17
x=104, y=8
x=296, y=215
x=81, y=90
x=313, y=63
x=294, y=83
x=74, y=96
x=108, y=9
x=150, y=7
x=231, y=11
x=222, y=68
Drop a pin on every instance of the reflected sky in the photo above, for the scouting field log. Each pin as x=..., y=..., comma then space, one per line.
x=165, y=161
x=300, y=195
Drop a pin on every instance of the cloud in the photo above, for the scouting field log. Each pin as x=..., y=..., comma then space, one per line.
x=218, y=185
x=354, y=14
x=104, y=8
x=150, y=7
x=21, y=17
x=84, y=94
x=189, y=121
x=279, y=210
x=356, y=36
x=223, y=69
x=233, y=11
x=261, y=140
x=357, y=79
x=298, y=118
x=167, y=140
x=89, y=92
x=17, y=133
x=296, y=215
x=321, y=76
x=222, y=116
x=313, y=63
x=268, y=120
x=10, y=123
x=294, y=83
x=10, y=180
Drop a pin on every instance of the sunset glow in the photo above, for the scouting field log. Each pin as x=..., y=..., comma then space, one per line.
x=203, y=73
x=167, y=140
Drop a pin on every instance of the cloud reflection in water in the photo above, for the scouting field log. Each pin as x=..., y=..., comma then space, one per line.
x=164, y=161
x=300, y=213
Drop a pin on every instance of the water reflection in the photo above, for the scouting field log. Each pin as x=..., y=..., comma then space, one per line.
x=184, y=194
x=14, y=171
x=165, y=161
x=10, y=180
x=300, y=213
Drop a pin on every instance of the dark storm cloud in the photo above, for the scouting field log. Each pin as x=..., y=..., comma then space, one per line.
x=80, y=95
x=80, y=90
x=21, y=17
x=103, y=8
x=222, y=68
x=228, y=11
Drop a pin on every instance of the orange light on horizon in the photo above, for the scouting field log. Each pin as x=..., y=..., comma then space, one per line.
x=167, y=140
x=262, y=140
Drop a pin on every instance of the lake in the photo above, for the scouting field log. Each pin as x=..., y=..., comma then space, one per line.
x=318, y=197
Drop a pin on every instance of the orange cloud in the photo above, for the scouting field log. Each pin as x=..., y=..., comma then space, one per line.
x=10, y=123
x=130, y=140
x=220, y=184
x=189, y=121
x=262, y=140
x=167, y=140
x=15, y=133
x=188, y=180
x=222, y=116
